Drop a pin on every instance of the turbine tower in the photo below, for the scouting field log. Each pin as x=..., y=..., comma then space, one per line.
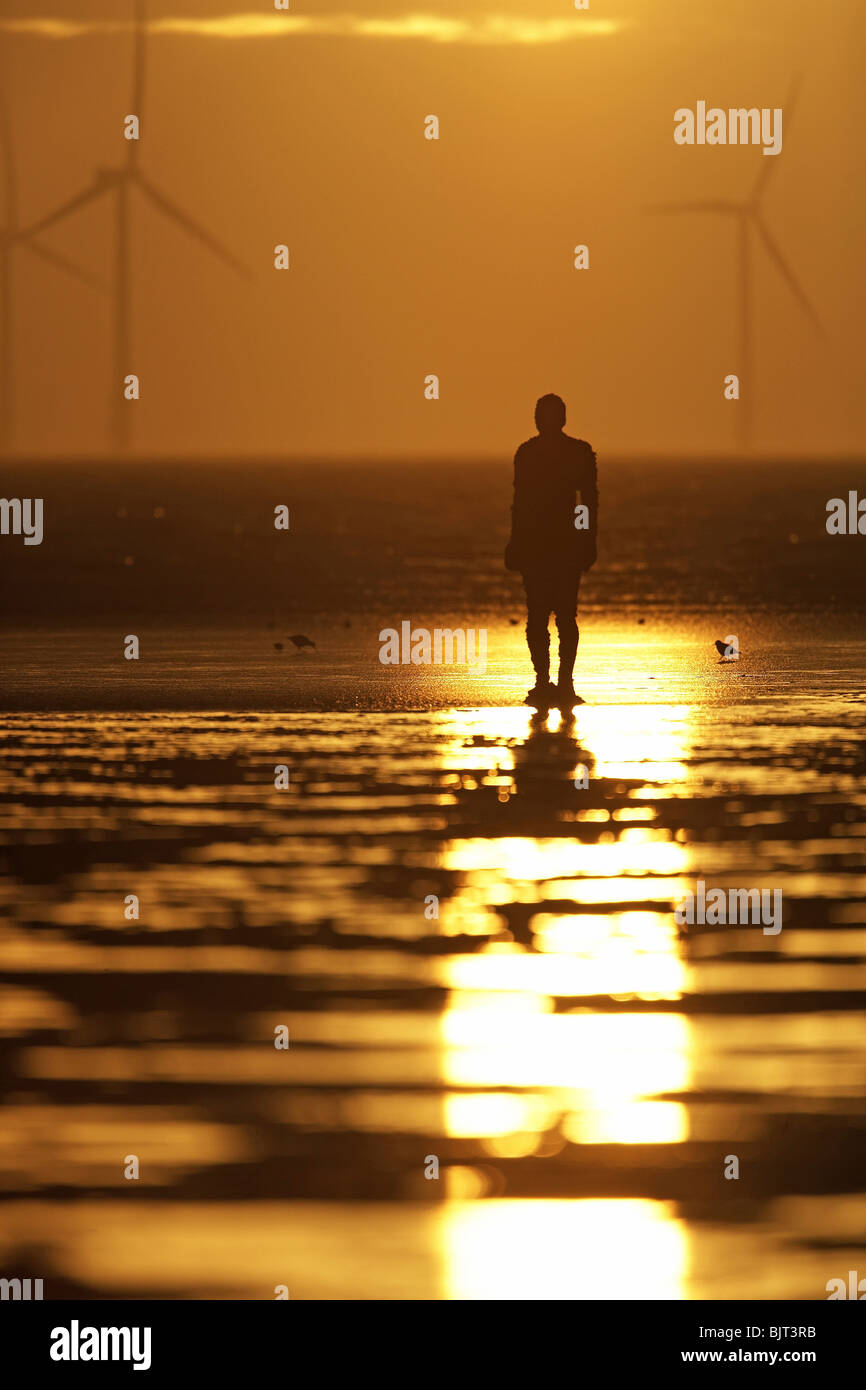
x=118, y=185
x=749, y=223
x=10, y=235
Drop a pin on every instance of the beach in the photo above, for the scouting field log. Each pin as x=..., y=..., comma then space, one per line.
x=464, y=914
x=334, y=963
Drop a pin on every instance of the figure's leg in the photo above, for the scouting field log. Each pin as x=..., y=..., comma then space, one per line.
x=537, y=634
x=569, y=632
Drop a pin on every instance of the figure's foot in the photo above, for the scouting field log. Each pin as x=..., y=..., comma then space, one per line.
x=566, y=697
x=541, y=696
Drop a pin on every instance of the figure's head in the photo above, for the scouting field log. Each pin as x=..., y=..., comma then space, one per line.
x=549, y=414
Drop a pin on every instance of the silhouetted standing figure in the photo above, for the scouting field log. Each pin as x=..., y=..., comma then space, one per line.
x=553, y=541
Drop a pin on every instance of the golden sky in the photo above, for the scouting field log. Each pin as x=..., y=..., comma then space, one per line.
x=453, y=257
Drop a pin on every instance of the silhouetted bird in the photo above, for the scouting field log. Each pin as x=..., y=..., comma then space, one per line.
x=722, y=648
x=299, y=640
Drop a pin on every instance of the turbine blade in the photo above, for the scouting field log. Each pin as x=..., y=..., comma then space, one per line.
x=788, y=275
x=10, y=185
x=54, y=258
x=709, y=205
x=769, y=162
x=139, y=56
x=65, y=210
x=170, y=209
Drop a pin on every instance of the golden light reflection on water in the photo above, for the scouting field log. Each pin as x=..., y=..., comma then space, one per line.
x=619, y=969
x=590, y=1077
x=541, y=1036
x=525, y=859
x=618, y=736
x=564, y=1249
x=596, y=1072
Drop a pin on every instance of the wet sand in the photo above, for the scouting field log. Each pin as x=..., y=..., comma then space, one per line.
x=639, y=655
x=581, y=1066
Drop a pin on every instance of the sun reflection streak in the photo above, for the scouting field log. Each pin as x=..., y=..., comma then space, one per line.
x=588, y=1076
x=563, y=1250
x=601, y=1062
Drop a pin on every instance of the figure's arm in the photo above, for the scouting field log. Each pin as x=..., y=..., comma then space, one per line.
x=512, y=550
x=514, y=510
x=588, y=484
x=591, y=490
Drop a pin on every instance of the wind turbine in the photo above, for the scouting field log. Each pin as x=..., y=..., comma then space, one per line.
x=748, y=218
x=10, y=235
x=118, y=184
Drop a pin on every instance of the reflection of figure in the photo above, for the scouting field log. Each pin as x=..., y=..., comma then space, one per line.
x=547, y=768
x=551, y=782
x=552, y=543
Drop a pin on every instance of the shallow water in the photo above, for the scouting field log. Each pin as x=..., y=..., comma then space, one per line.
x=579, y=1064
x=581, y=1067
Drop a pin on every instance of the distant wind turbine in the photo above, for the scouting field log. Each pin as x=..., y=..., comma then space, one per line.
x=119, y=183
x=748, y=218
x=10, y=235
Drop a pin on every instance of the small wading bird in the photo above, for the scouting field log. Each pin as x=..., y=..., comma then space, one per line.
x=726, y=649
x=299, y=640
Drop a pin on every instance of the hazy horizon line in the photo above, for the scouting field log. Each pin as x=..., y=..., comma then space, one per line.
x=396, y=457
